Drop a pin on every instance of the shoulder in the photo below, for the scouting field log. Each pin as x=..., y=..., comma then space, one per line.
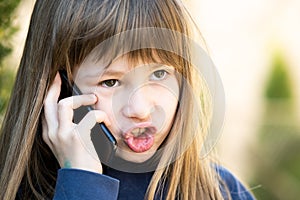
x=77, y=184
x=230, y=184
x=81, y=184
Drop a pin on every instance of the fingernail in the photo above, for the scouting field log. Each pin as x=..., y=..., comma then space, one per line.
x=107, y=123
x=95, y=98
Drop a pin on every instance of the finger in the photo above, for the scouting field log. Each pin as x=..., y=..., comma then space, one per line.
x=90, y=119
x=50, y=102
x=45, y=135
x=67, y=105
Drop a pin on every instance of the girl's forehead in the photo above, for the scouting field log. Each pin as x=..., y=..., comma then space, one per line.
x=129, y=60
x=120, y=65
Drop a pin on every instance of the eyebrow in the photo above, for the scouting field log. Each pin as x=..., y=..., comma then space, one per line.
x=118, y=73
x=112, y=72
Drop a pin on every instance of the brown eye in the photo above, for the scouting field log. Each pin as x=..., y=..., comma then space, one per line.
x=110, y=83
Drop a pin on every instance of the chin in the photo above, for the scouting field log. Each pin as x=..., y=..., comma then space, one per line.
x=131, y=156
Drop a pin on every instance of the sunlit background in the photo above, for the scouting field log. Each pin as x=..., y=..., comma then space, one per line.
x=255, y=46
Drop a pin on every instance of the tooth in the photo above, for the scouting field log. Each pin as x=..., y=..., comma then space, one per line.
x=135, y=132
x=142, y=130
x=138, y=131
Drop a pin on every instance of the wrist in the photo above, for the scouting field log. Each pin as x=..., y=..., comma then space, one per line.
x=95, y=167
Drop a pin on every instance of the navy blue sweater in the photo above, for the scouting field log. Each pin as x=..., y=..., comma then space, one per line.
x=84, y=185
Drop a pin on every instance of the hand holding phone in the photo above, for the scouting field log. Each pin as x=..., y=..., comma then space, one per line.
x=64, y=133
x=103, y=140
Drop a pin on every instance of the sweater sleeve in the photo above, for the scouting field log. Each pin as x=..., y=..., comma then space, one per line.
x=78, y=184
x=236, y=189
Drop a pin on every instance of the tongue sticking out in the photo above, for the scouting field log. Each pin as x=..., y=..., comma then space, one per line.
x=140, y=143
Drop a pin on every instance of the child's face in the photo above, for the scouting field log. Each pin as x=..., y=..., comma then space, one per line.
x=140, y=102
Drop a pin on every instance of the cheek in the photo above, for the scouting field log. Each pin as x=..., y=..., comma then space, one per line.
x=167, y=105
x=104, y=103
x=108, y=104
x=168, y=101
x=167, y=97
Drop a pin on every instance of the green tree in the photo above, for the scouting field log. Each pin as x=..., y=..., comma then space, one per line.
x=277, y=167
x=279, y=85
x=7, y=8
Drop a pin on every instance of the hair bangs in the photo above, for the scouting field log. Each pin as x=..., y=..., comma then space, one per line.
x=143, y=30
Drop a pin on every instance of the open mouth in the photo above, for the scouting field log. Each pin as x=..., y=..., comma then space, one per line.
x=140, y=139
x=136, y=132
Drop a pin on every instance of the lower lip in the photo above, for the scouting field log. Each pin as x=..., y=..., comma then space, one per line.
x=140, y=144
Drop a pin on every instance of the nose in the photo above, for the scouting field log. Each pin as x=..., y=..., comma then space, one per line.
x=139, y=105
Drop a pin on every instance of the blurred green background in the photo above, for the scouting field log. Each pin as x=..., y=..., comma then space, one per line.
x=276, y=160
x=7, y=30
x=255, y=47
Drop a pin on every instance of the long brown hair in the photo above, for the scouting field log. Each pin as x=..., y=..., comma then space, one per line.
x=61, y=35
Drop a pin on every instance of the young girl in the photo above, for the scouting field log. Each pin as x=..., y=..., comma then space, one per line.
x=131, y=62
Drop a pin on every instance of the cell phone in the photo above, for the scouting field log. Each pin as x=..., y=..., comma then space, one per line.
x=103, y=140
